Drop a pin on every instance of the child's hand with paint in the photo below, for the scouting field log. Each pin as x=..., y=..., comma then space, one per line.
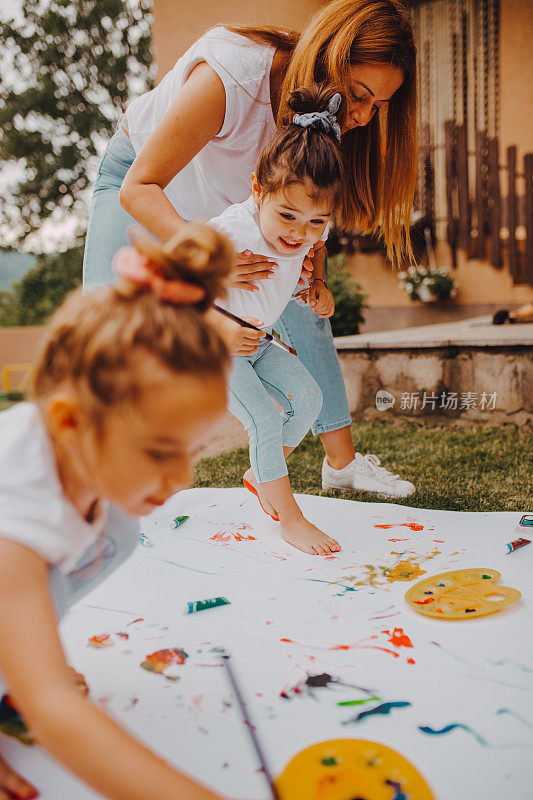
x=131, y=380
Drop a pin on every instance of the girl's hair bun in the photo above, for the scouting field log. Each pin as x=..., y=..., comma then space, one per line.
x=198, y=255
x=307, y=99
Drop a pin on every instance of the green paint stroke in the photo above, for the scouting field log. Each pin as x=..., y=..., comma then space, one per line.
x=359, y=702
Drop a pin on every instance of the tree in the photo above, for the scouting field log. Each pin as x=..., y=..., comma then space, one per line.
x=76, y=64
x=42, y=288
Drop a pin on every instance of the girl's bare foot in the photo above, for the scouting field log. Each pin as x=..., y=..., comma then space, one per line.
x=13, y=786
x=267, y=505
x=307, y=537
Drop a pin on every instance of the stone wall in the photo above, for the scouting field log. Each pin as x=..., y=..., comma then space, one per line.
x=492, y=384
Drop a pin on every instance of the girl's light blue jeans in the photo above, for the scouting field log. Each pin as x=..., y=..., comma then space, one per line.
x=298, y=326
x=277, y=401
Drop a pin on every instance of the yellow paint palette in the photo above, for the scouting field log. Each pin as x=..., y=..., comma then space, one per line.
x=344, y=769
x=462, y=594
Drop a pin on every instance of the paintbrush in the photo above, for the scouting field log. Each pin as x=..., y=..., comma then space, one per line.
x=245, y=324
x=253, y=735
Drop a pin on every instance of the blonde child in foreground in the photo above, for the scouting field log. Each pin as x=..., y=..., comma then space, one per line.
x=295, y=190
x=130, y=381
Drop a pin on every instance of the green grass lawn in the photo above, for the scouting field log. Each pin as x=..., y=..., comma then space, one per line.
x=467, y=469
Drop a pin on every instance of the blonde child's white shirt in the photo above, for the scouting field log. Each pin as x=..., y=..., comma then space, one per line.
x=219, y=174
x=35, y=511
x=240, y=222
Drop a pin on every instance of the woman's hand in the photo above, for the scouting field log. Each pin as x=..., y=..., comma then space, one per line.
x=321, y=300
x=250, y=268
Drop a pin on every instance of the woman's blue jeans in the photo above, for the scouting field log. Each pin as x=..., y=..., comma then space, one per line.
x=298, y=326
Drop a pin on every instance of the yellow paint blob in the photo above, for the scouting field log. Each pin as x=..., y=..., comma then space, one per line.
x=342, y=769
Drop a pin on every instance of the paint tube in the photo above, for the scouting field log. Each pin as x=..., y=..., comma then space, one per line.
x=180, y=520
x=510, y=547
x=204, y=605
x=524, y=526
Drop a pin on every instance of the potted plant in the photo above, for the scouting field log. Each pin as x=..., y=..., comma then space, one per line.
x=430, y=283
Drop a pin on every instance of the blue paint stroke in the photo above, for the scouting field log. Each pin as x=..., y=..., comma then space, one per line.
x=398, y=793
x=516, y=664
x=451, y=727
x=516, y=716
x=383, y=708
x=477, y=736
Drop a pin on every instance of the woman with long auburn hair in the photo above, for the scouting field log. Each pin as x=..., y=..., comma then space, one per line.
x=185, y=151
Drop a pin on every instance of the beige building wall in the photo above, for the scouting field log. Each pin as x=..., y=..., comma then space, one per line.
x=516, y=75
x=178, y=23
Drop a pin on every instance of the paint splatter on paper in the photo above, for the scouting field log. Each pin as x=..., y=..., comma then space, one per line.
x=165, y=662
x=413, y=526
x=451, y=727
x=383, y=709
x=225, y=537
x=101, y=640
x=308, y=686
x=405, y=566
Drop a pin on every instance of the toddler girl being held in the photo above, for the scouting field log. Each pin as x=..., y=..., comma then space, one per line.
x=295, y=190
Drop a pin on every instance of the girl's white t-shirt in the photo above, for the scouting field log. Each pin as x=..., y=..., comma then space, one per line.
x=240, y=222
x=35, y=511
x=219, y=174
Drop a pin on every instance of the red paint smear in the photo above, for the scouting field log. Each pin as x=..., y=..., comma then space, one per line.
x=328, y=558
x=425, y=602
x=139, y=619
x=101, y=640
x=287, y=640
x=222, y=536
x=397, y=540
x=398, y=638
x=162, y=659
x=440, y=541
x=356, y=646
x=411, y=661
x=414, y=526
x=439, y=611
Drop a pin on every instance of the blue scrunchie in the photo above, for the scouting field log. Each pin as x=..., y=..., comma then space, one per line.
x=327, y=118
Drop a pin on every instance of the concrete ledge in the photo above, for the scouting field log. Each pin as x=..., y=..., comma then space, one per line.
x=471, y=333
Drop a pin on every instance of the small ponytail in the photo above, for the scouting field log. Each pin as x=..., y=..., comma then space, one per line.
x=99, y=340
x=196, y=258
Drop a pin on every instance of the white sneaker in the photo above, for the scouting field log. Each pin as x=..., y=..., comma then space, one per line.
x=364, y=474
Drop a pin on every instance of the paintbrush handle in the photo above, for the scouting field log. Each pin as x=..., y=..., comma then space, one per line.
x=244, y=324
x=238, y=320
x=249, y=725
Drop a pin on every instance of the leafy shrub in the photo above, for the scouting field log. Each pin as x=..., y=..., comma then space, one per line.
x=349, y=298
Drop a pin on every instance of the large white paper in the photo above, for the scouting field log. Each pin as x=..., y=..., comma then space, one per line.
x=293, y=616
